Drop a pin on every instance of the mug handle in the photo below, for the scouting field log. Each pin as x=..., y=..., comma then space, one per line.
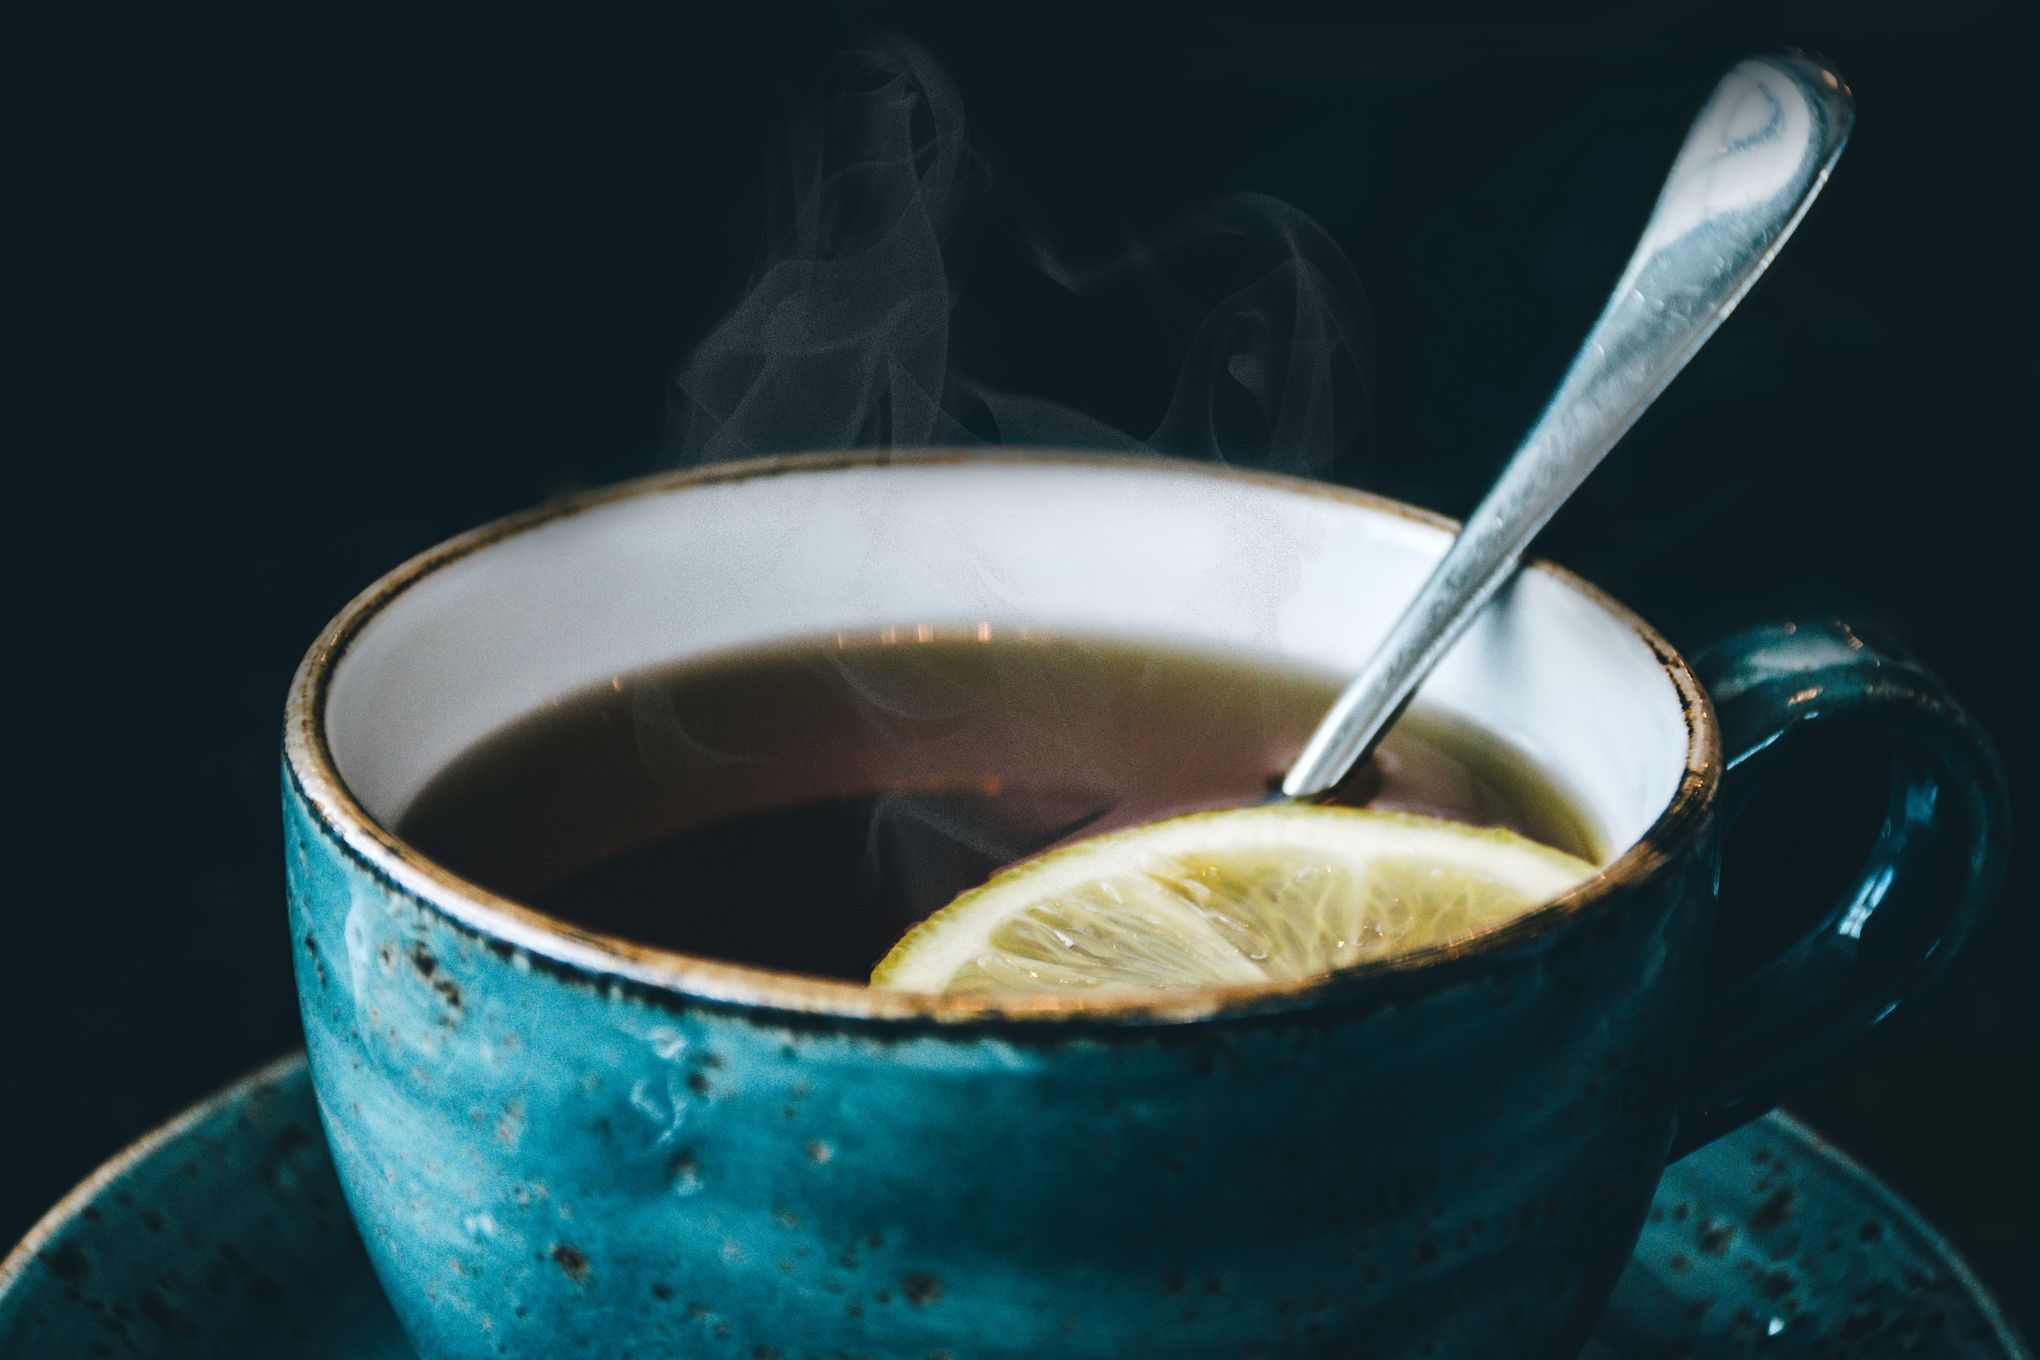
x=1933, y=870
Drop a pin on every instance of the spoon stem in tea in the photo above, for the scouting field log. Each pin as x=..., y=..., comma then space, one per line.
x=1755, y=159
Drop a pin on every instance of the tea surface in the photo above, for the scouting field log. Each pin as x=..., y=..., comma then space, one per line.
x=800, y=807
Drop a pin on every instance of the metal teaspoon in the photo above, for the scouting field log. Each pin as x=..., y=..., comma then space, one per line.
x=1755, y=159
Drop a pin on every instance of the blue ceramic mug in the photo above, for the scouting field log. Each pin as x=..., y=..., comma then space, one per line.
x=563, y=1145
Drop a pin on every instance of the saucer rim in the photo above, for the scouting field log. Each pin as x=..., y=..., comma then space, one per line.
x=101, y=1179
x=1875, y=1190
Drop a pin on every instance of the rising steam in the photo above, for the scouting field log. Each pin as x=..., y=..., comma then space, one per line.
x=845, y=336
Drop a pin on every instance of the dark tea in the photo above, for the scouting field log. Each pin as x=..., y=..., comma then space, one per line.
x=799, y=807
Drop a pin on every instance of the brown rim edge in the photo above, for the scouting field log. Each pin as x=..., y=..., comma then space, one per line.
x=492, y=916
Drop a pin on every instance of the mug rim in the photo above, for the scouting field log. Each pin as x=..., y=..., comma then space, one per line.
x=324, y=792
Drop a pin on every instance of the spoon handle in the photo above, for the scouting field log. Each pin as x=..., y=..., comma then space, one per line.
x=1753, y=162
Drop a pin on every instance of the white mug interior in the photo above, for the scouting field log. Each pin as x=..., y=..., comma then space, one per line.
x=509, y=619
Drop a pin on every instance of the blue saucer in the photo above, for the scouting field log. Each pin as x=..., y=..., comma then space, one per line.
x=223, y=1234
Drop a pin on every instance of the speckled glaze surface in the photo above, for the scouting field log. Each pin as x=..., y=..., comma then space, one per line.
x=555, y=1165
x=559, y=1146
x=219, y=1237
x=221, y=1234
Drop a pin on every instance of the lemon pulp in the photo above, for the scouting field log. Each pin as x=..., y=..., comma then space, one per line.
x=1234, y=896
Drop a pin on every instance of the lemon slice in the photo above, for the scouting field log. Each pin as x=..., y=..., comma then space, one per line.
x=1235, y=896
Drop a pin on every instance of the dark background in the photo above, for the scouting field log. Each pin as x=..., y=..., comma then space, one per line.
x=305, y=291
